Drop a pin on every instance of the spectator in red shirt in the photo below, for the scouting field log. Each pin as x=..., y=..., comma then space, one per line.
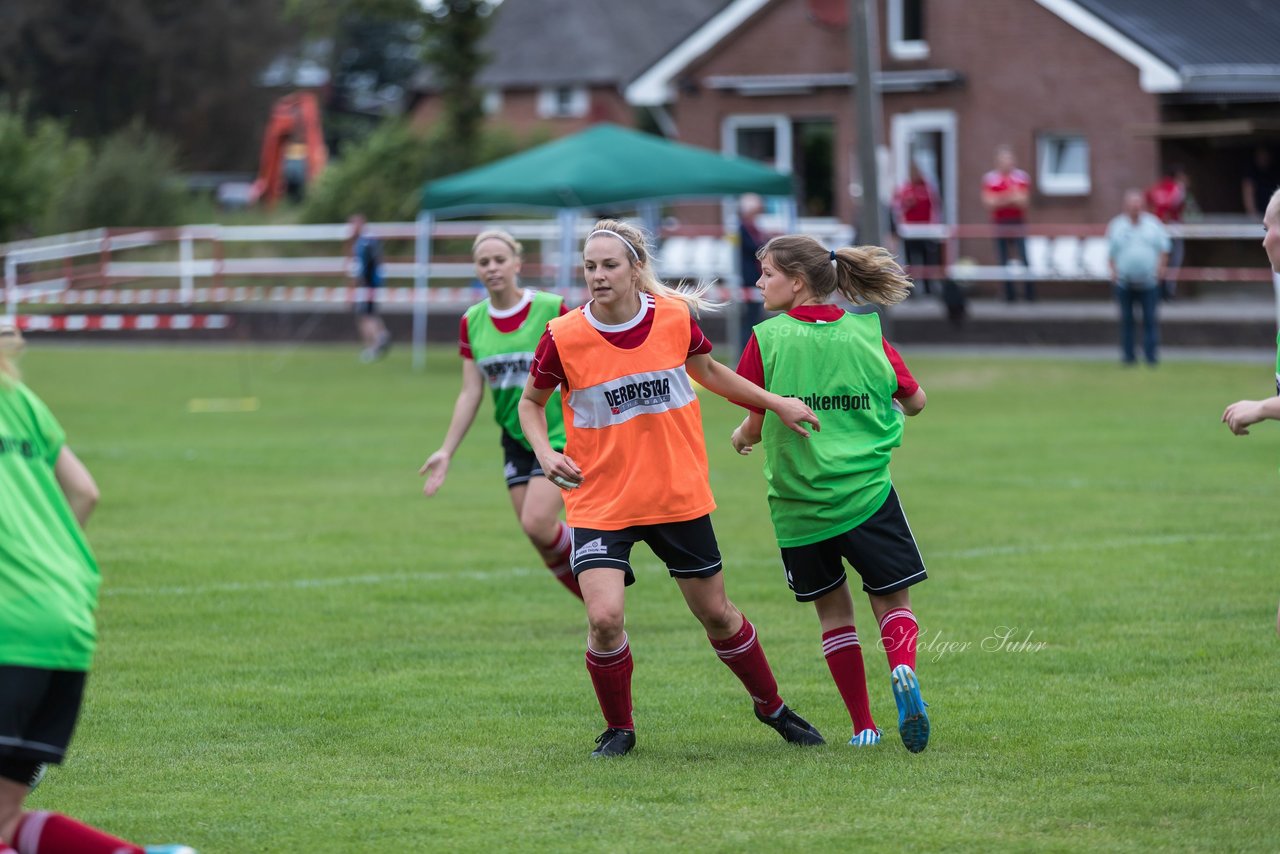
x=1167, y=200
x=1006, y=193
x=915, y=203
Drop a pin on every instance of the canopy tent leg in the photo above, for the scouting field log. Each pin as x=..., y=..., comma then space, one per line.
x=568, y=239
x=421, y=277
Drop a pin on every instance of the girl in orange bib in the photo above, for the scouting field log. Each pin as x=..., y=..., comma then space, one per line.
x=635, y=466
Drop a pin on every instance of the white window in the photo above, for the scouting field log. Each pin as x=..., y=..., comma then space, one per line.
x=763, y=138
x=563, y=102
x=491, y=102
x=906, y=30
x=1062, y=164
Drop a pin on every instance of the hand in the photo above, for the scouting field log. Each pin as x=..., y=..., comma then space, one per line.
x=1239, y=415
x=435, y=468
x=794, y=413
x=740, y=443
x=561, y=470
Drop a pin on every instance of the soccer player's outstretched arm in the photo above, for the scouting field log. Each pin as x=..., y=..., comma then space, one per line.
x=464, y=412
x=722, y=380
x=1240, y=415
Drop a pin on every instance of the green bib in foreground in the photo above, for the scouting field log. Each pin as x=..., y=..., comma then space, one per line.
x=504, y=359
x=48, y=576
x=836, y=479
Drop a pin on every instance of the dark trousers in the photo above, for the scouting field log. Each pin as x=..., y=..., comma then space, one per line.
x=1006, y=248
x=921, y=253
x=1149, y=298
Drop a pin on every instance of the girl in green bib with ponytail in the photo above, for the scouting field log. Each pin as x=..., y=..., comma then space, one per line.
x=497, y=340
x=831, y=497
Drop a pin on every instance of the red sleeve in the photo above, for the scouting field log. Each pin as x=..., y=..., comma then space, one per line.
x=907, y=384
x=564, y=308
x=464, y=340
x=546, y=370
x=699, y=343
x=751, y=367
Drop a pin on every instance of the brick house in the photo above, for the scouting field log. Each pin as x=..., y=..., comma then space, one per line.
x=558, y=66
x=1092, y=95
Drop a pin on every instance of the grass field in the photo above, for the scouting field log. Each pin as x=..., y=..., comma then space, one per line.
x=299, y=653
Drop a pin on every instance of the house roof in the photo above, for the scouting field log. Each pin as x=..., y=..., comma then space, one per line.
x=564, y=42
x=1228, y=46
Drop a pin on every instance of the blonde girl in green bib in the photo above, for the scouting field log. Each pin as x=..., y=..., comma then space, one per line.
x=831, y=498
x=496, y=340
x=48, y=597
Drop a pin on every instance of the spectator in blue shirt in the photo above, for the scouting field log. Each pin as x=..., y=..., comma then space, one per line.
x=1138, y=253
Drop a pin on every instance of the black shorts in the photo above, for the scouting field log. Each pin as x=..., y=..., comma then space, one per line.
x=38, y=712
x=519, y=465
x=881, y=550
x=688, y=549
x=370, y=305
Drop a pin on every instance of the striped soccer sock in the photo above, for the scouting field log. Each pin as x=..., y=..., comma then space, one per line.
x=611, y=677
x=844, y=659
x=558, y=558
x=744, y=655
x=898, y=633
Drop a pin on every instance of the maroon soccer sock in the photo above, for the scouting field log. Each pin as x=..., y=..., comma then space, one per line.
x=611, y=677
x=557, y=557
x=745, y=657
x=844, y=659
x=53, y=833
x=898, y=633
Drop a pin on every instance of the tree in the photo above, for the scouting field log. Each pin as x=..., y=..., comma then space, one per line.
x=189, y=70
x=37, y=161
x=453, y=51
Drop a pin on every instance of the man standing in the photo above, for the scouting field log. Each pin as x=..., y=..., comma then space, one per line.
x=367, y=253
x=1138, y=254
x=750, y=239
x=1006, y=194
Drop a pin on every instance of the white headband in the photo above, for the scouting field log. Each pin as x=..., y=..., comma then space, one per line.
x=625, y=242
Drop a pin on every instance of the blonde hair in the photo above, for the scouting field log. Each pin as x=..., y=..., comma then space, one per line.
x=497, y=234
x=11, y=344
x=862, y=274
x=641, y=258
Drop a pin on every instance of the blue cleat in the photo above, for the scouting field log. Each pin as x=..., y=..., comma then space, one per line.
x=169, y=849
x=913, y=722
x=866, y=738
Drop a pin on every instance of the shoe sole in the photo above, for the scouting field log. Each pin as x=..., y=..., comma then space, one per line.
x=913, y=721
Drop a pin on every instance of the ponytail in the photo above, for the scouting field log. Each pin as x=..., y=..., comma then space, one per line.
x=862, y=274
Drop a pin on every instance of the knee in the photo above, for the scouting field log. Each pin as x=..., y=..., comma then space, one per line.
x=718, y=618
x=606, y=627
x=540, y=529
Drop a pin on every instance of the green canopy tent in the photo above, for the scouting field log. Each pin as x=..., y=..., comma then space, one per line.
x=605, y=166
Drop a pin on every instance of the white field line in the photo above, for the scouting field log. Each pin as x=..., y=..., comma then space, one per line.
x=520, y=571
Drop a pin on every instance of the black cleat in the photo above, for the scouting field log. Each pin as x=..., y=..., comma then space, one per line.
x=614, y=742
x=793, y=728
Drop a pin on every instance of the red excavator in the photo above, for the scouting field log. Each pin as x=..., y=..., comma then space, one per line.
x=293, y=133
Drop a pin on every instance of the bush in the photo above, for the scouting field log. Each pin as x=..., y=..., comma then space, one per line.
x=36, y=163
x=132, y=181
x=382, y=176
